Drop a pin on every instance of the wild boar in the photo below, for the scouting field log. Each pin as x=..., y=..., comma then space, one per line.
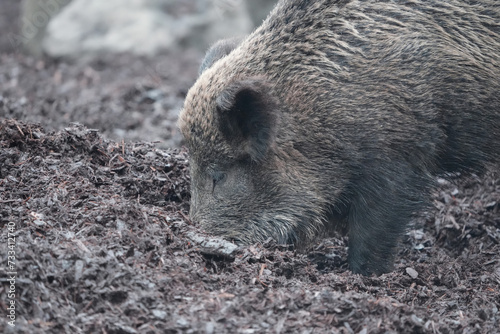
x=340, y=113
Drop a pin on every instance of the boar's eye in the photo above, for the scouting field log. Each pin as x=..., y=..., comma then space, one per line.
x=218, y=178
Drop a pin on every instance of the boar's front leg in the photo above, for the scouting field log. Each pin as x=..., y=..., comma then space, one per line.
x=382, y=204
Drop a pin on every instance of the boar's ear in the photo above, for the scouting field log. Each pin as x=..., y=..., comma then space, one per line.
x=248, y=114
x=220, y=49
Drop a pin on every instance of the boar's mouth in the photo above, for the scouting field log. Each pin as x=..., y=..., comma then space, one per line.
x=282, y=229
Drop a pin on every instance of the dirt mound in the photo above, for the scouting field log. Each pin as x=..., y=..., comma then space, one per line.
x=103, y=244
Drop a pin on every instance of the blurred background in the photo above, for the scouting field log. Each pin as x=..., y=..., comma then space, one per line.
x=120, y=66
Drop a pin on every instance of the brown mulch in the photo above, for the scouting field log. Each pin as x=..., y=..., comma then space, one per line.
x=123, y=96
x=103, y=244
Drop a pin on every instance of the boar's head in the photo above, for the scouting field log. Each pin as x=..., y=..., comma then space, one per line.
x=246, y=185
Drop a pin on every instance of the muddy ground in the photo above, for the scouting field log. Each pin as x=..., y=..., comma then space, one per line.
x=103, y=243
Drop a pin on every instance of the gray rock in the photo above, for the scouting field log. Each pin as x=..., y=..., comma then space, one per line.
x=144, y=27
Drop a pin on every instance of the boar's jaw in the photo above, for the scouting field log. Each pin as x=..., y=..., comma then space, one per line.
x=248, y=115
x=282, y=228
x=253, y=231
